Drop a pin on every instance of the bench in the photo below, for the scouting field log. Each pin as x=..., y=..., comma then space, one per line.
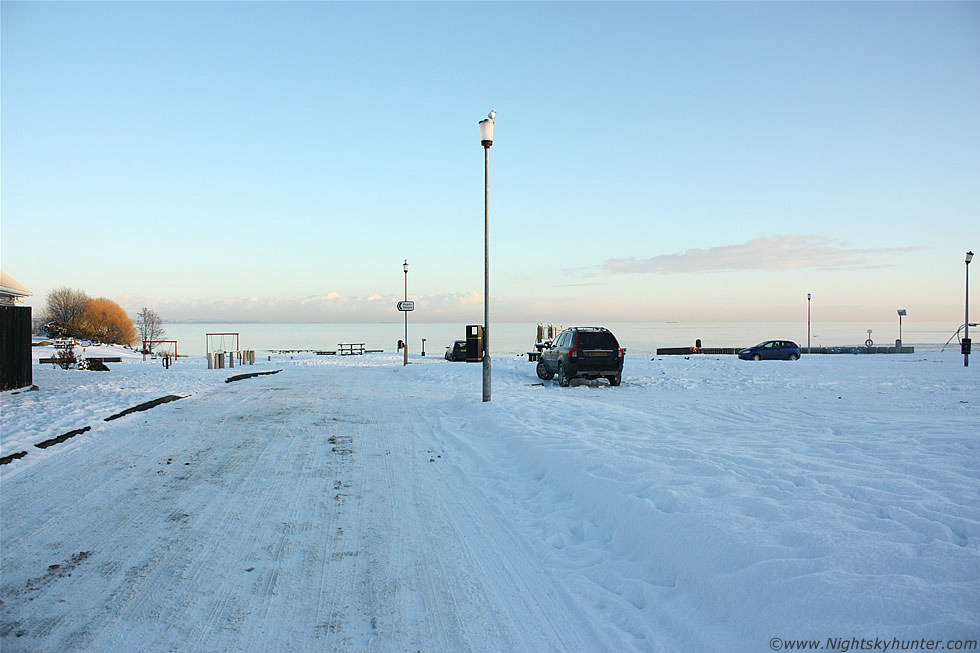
x=350, y=348
x=100, y=359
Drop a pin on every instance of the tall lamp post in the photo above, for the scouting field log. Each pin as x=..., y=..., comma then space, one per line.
x=901, y=313
x=966, y=335
x=486, y=139
x=808, y=322
x=405, y=267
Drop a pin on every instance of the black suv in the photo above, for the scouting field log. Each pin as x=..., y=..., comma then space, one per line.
x=582, y=352
x=456, y=351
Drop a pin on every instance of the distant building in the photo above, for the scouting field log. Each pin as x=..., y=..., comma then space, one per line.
x=15, y=335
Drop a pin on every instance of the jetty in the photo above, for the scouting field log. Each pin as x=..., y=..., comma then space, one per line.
x=843, y=349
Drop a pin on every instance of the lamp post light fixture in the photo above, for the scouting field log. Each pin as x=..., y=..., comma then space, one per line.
x=486, y=140
x=808, y=295
x=901, y=313
x=405, y=267
x=965, y=345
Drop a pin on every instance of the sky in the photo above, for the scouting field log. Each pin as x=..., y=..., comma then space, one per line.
x=652, y=161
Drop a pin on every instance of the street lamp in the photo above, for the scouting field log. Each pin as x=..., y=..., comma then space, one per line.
x=405, y=267
x=965, y=346
x=901, y=313
x=486, y=140
x=808, y=323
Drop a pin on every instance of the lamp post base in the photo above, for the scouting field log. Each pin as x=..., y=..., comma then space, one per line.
x=486, y=377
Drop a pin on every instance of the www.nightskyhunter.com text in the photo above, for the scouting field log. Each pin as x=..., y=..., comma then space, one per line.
x=845, y=644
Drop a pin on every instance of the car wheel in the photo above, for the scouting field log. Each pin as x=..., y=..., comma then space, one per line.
x=563, y=379
x=543, y=372
x=756, y=357
x=794, y=357
x=615, y=380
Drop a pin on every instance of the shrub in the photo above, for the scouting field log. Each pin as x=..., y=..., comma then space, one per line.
x=65, y=358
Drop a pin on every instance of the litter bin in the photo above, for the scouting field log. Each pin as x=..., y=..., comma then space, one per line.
x=474, y=343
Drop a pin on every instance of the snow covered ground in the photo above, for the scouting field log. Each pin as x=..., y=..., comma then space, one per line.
x=351, y=503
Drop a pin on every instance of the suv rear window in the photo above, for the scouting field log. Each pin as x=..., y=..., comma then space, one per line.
x=597, y=340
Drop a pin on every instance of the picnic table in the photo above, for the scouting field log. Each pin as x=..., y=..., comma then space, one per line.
x=350, y=348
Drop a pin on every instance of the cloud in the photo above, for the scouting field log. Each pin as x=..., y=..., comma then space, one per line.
x=324, y=299
x=786, y=252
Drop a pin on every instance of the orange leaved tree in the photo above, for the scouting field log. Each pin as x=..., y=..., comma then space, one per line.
x=105, y=321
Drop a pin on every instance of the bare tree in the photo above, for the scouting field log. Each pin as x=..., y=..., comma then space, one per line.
x=64, y=309
x=149, y=326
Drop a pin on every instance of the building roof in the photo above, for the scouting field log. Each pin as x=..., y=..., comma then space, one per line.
x=10, y=288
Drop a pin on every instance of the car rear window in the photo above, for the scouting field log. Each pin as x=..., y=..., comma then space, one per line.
x=597, y=340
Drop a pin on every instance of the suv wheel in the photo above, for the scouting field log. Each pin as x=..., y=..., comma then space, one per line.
x=543, y=372
x=615, y=380
x=756, y=357
x=563, y=379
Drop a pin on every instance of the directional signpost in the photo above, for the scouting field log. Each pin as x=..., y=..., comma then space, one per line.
x=405, y=307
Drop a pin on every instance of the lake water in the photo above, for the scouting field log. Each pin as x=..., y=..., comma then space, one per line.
x=515, y=338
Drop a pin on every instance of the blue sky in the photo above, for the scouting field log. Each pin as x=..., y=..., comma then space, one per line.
x=652, y=161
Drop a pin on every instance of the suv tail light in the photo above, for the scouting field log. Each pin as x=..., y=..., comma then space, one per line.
x=574, y=350
x=622, y=352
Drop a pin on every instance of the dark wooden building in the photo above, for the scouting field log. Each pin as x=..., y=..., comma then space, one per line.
x=15, y=335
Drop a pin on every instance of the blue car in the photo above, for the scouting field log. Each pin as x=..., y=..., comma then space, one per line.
x=771, y=350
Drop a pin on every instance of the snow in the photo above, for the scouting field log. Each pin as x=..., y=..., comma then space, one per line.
x=351, y=503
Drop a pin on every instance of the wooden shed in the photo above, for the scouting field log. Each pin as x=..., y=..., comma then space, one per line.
x=15, y=335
